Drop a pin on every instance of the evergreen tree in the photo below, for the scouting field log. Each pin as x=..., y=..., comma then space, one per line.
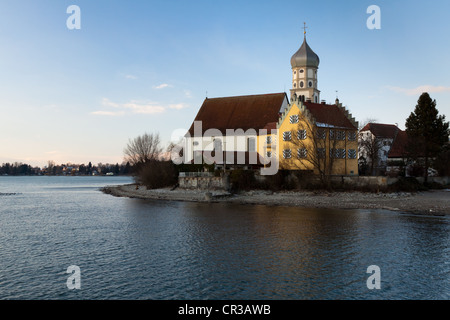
x=427, y=131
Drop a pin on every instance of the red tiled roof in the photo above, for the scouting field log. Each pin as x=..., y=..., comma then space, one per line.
x=242, y=112
x=270, y=126
x=379, y=130
x=398, y=149
x=329, y=114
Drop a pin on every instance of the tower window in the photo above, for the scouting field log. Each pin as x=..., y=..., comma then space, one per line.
x=301, y=84
x=310, y=84
x=295, y=85
x=301, y=71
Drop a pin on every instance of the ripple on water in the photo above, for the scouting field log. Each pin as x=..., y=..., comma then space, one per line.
x=134, y=249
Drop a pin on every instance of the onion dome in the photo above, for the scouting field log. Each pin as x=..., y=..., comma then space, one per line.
x=305, y=57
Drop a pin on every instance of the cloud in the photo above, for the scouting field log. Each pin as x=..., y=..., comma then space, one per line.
x=108, y=113
x=162, y=86
x=144, y=108
x=132, y=107
x=130, y=76
x=188, y=93
x=107, y=103
x=178, y=106
x=420, y=90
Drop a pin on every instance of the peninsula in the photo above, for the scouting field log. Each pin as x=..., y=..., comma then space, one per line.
x=432, y=203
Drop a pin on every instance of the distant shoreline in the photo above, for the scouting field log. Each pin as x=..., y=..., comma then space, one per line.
x=430, y=203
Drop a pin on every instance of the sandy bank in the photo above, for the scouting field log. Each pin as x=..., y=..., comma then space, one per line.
x=429, y=203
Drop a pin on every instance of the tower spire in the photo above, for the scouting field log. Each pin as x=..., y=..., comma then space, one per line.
x=304, y=29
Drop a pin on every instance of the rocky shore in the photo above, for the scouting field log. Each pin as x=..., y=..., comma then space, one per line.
x=436, y=203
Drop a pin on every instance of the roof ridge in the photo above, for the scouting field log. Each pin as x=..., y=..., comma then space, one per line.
x=249, y=95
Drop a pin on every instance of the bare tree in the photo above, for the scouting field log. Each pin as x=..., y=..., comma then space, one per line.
x=315, y=147
x=370, y=148
x=143, y=149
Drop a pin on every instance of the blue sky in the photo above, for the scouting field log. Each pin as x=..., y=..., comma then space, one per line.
x=145, y=66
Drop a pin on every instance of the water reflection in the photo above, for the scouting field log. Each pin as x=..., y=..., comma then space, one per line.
x=135, y=249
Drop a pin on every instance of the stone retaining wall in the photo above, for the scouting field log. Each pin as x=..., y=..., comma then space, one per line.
x=204, y=183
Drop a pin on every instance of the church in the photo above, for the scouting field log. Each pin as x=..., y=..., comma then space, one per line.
x=275, y=132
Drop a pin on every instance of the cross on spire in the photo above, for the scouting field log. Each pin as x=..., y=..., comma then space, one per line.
x=304, y=29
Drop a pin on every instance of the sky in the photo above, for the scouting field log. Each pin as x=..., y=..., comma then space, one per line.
x=135, y=67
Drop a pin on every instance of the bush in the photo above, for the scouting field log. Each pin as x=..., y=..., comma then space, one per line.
x=157, y=174
x=242, y=180
x=407, y=184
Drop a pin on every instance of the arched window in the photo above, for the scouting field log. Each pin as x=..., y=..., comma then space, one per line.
x=218, y=145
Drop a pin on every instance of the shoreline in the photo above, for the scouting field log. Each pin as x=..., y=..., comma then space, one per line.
x=429, y=203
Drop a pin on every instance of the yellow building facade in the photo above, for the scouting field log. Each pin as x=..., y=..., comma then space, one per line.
x=319, y=138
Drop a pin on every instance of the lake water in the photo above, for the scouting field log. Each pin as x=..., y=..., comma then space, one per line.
x=136, y=249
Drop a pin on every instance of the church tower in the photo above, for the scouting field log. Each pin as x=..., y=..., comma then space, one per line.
x=305, y=64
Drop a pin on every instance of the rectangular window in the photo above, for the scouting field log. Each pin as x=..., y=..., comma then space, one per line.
x=293, y=119
x=352, y=136
x=301, y=134
x=302, y=153
x=321, y=153
x=352, y=154
x=269, y=154
x=287, y=153
x=269, y=139
x=337, y=153
x=321, y=134
x=287, y=136
x=337, y=134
